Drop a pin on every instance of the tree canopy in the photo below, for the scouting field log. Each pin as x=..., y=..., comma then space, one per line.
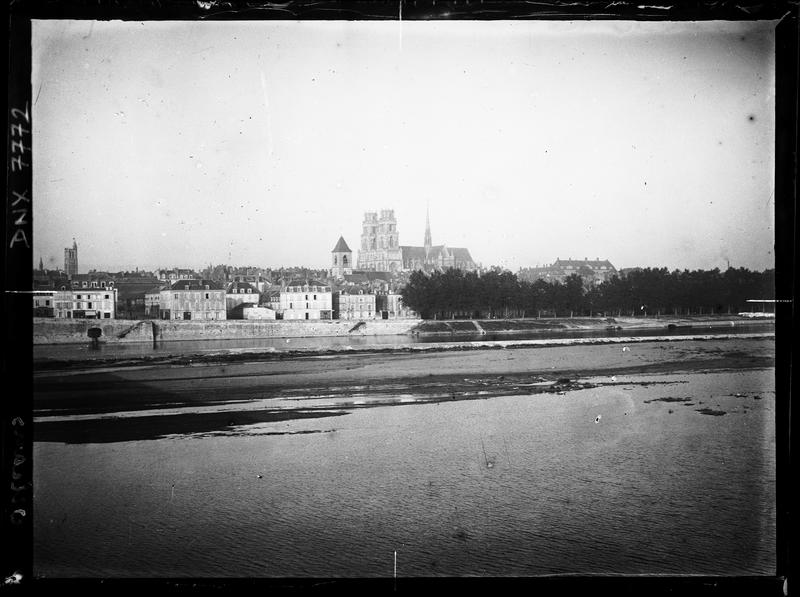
x=458, y=294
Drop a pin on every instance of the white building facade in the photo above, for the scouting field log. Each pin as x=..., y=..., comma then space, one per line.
x=357, y=305
x=85, y=304
x=186, y=300
x=306, y=300
x=237, y=294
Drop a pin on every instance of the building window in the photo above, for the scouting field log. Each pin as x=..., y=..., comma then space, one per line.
x=107, y=315
x=315, y=297
x=208, y=295
x=90, y=305
x=107, y=296
x=78, y=297
x=176, y=296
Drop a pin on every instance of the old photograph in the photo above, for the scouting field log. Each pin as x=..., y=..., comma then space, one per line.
x=403, y=299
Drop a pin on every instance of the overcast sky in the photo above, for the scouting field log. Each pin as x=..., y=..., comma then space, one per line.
x=179, y=144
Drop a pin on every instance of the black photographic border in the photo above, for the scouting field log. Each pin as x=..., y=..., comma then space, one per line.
x=17, y=432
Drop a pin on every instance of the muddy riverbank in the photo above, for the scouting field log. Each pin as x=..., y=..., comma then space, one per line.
x=145, y=402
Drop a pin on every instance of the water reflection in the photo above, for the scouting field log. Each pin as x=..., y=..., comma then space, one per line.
x=651, y=488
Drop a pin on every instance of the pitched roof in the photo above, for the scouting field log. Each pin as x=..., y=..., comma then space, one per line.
x=300, y=282
x=436, y=251
x=127, y=290
x=234, y=287
x=460, y=253
x=195, y=285
x=341, y=247
x=91, y=276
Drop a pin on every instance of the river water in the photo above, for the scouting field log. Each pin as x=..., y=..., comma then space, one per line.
x=507, y=486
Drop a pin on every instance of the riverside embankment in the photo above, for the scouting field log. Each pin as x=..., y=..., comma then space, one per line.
x=60, y=331
x=56, y=331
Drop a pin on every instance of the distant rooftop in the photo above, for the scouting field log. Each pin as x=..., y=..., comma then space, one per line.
x=299, y=283
x=195, y=285
x=236, y=287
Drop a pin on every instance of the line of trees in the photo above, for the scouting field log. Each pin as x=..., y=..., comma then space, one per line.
x=457, y=294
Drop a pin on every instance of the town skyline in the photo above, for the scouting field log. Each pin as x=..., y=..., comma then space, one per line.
x=161, y=145
x=59, y=266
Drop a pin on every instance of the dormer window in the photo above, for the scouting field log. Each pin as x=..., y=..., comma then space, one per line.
x=208, y=287
x=186, y=287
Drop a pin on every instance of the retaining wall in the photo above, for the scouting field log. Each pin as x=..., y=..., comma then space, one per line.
x=63, y=331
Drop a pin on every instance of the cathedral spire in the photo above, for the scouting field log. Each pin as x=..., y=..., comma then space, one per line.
x=428, y=241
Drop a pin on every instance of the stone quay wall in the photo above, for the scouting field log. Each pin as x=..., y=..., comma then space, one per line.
x=72, y=331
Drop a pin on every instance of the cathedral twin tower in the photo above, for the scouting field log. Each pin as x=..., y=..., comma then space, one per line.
x=380, y=247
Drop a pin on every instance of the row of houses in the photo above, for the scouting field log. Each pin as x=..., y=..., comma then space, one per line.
x=76, y=304
x=299, y=300
x=207, y=300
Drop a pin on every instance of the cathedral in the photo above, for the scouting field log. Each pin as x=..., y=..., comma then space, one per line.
x=381, y=249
